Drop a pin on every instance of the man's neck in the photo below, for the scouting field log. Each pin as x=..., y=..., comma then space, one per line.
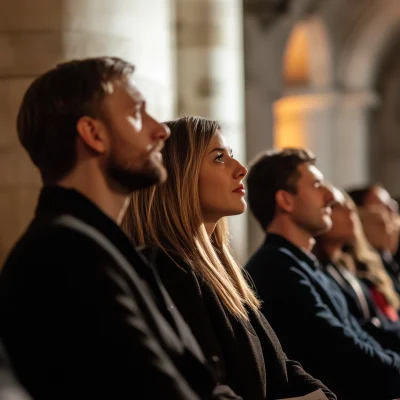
x=332, y=249
x=294, y=234
x=95, y=188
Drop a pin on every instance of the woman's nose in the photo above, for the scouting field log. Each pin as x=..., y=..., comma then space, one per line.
x=240, y=170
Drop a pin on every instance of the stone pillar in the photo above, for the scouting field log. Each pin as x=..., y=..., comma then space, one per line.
x=305, y=120
x=334, y=126
x=265, y=38
x=35, y=36
x=210, y=77
x=351, y=140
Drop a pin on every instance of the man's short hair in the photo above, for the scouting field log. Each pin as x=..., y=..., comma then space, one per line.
x=359, y=194
x=270, y=171
x=54, y=103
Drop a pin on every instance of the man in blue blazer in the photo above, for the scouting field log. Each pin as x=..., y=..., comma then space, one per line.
x=307, y=310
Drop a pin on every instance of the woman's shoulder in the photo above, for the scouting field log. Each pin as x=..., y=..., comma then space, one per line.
x=170, y=267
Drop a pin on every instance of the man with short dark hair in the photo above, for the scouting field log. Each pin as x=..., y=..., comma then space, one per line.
x=308, y=311
x=83, y=315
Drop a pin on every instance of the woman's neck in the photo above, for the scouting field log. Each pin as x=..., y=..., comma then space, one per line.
x=210, y=227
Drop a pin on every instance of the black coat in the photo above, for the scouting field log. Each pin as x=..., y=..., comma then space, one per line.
x=247, y=355
x=83, y=316
x=310, y=315
x=10, y=389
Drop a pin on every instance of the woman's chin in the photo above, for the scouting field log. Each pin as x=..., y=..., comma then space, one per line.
x=238, y=210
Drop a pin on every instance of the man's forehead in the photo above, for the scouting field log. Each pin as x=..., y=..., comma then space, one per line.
x=133, y=91
x=383, y=194
x=311, y=171
x=338, y=195
x=128, y=87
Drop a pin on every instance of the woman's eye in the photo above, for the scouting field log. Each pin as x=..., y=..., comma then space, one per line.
x=219, y=158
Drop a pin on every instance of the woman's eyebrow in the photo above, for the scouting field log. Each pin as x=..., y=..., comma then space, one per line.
x=222, y=149
x=217, y=149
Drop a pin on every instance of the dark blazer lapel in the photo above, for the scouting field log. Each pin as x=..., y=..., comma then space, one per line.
x=148, y=256
x=319, y=279
x=181, y=326
x=169, y=335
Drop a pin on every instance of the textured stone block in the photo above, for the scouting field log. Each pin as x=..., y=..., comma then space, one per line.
x=16, y=169
x=11, y=94
x=16, y=210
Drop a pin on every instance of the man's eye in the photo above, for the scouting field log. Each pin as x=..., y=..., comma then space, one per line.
x=219, y=158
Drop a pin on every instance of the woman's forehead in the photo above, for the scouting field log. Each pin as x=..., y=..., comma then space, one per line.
x=219, y=141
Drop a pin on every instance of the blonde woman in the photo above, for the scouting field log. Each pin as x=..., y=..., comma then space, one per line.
x=359, y=284
x=184, y=219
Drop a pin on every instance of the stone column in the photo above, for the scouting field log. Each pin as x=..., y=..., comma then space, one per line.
x=351, y=140
x=265, y=38
x=210, y=77
x=334, y=126
x=306, y=120
x=35, y=36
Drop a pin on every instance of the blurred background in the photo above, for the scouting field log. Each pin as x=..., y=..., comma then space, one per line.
x=322, y=74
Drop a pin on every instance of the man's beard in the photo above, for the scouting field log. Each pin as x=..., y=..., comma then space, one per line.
x=126, y=177
x=314, y=226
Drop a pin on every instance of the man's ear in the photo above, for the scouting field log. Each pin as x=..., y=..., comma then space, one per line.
x=93, y=133
x=284, y=200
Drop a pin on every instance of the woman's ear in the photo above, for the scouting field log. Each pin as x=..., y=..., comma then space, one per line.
x=93, y=133
x=284, y=200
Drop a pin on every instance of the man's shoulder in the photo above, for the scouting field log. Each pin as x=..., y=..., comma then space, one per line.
x=272, y=265
x=48, y=234
x=46, y=243
x=271, y=256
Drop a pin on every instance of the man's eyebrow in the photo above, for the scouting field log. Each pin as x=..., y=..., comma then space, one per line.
x=222, y=149
x=140, y=103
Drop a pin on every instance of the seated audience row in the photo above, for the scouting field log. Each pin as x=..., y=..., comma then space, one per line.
x=161, y=309
x=83, y=314
x=183, y=220
x=306, y=308
x=346, y=257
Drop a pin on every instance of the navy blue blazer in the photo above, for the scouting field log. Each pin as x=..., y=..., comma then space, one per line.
x=368, y=315
x=392, y=267
x=310, y=315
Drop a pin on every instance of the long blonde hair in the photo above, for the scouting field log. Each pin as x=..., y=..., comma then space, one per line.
x=169, y=216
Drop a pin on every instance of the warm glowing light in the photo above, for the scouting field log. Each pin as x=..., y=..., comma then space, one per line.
x=296, y=68
x=293, y=116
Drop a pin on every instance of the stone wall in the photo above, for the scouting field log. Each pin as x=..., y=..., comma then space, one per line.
x=36, y=35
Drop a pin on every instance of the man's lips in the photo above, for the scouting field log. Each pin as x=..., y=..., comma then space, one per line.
x=327, y=211
x=157, y=155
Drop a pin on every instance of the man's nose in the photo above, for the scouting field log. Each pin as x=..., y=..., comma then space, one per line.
x=329, y=197
x=162, y=132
